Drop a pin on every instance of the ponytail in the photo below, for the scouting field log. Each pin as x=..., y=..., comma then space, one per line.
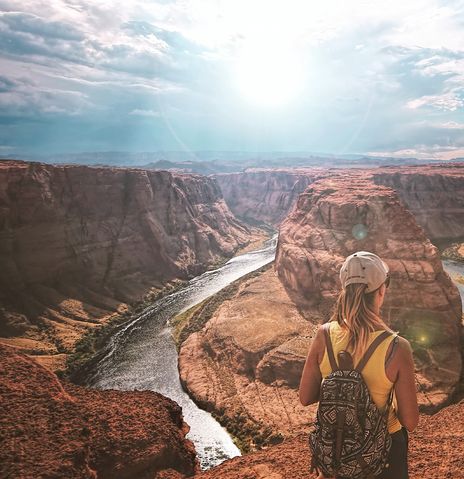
x=354, y=311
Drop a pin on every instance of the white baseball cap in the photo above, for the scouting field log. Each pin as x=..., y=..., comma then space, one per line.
x=366, y=268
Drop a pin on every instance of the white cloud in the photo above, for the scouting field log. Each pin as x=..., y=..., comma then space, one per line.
x=149, y=113
x=447, y=102
x=451, y=125
x=424, y=152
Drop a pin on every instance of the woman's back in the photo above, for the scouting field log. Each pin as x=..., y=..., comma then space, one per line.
x=374, y=373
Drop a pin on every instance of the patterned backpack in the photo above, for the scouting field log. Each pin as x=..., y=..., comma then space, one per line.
x=351, y=438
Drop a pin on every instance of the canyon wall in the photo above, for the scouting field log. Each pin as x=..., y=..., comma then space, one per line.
x=54, y=429
x=76, y=242
x=337, y=216
x=265, y=195
x=433, y=194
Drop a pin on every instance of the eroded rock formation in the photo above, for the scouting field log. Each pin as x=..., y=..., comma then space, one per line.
x=246, y=363
x=50, y=429
x=266, y=195
x=433, y=194
x=76, y=242
x=337, y=216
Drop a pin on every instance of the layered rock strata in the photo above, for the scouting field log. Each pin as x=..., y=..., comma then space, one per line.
x=51, y=429
x=433, y=194
x=77, y=242
x=265, y=195
x=337, y=216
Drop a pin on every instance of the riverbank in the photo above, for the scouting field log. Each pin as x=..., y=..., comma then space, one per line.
x=90, y=347
x=454, y=252
x=247, y=434
x=142, y=355
x=241, y=356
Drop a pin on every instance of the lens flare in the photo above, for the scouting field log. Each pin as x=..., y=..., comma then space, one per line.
x=359, y=231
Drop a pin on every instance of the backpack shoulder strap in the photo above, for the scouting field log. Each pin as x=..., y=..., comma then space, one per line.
x=328, y=344
x=370, y=350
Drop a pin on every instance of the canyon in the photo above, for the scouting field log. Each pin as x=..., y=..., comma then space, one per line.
x=79, y=243
x=337, y=216
x=432, y=193
x=265, y=195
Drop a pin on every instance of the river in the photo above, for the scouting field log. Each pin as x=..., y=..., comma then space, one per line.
x=456, y=270
x=143, y=355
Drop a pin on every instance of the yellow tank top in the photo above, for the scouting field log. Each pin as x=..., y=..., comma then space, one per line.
x=373, y=373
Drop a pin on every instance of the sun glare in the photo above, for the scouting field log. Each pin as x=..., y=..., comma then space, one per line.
x=267, y=75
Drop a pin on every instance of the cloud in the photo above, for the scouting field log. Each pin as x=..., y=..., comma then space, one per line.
x=446, y=102
x=34, y=25
x=423, y=152
x=147, y=113
x=6, y=84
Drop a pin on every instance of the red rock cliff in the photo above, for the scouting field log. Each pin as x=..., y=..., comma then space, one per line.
x=50, y=429
x=335, y=217
x=265, y=195
x=433, y=194
x=76, y=241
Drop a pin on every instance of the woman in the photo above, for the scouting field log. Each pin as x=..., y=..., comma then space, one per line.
x=354, y=324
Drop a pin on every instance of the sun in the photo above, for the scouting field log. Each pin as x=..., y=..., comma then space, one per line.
x=268, y=74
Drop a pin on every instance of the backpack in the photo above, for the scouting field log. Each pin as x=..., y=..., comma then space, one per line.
x=351, y=438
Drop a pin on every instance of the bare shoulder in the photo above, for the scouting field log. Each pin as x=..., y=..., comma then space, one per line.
x=398, y=360
x=404, y=347
x=318, y=345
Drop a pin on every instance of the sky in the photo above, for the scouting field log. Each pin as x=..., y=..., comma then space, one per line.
x=334, y=76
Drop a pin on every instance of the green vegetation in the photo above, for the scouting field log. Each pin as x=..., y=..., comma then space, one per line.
x=247, y=435
x=453, y=252
x=92, y=342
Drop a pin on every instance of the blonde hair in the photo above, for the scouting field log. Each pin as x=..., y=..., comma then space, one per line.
x=354, y=310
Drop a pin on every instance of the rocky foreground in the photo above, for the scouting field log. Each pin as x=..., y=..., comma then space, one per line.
x=55, y=430
x=434, y=453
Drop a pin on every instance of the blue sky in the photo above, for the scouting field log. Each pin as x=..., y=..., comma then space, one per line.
x=259, y=75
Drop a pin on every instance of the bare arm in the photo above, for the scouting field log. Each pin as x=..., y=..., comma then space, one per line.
x=401, y=370
x=311, y=378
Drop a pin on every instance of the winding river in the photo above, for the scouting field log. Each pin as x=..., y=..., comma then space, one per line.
x=143, y=355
